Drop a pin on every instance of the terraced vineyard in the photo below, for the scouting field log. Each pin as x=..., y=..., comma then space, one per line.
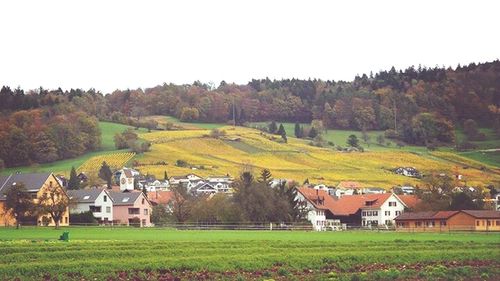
x=244, y=147
x=160, y=254
x=114, y=160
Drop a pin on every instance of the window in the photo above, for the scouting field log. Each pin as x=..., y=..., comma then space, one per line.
x=65, y=219
x=387, y=213
x=143, y=222
x=95, y=209
x=133, y=211
x=108, y=209
x=489, y=222
x=146, y=212
x=364, y=214
x=388, y=222
x=143, y=201
x=105, y=198
x=442, y=223
x=398, y=213
x=86, y=197
x=498, y=223
x=392, y=204
x=369, y=213
x=125, y=199
x=375, y=213
x=433, y=223
x=477, y=223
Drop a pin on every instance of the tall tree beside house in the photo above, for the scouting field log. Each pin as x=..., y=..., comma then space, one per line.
x=74, y=181
x=18, y=202
x=54, y=202
x=265, y=176
x=273, y=127
x=106, y=174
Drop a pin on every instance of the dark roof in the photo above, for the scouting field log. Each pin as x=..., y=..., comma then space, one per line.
x=483, y=214
x=32, y=182
x=84, y=195
x=430, y=215
x=124, y=198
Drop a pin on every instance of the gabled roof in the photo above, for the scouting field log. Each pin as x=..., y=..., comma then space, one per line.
x=85, y=195
x=483, y=214
x=161, y=197
x=350, y=204
x=409, y=200
x=320, y=199
x=429, y=215
x=124, y=198
x=32, y=182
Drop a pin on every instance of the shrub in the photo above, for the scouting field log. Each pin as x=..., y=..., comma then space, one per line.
x=181, y=163
x=391, y=134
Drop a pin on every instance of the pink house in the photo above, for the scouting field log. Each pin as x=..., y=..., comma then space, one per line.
x=131, y=208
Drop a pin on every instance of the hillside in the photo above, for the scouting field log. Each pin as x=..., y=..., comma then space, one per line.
x=249, y=148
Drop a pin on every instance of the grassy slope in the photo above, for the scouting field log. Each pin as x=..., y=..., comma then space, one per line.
x=108, y=130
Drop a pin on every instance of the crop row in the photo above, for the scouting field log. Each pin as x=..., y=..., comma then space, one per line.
x=114, y=160
x=89, y=258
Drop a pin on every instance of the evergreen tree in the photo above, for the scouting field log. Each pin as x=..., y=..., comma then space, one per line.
x=265, y=176
x=281, y=130
x=74, y=181
x=285, y=139
x=353, y=141
x=165, y=176
x=273, y=127
x=105, y=173
x=298, y=131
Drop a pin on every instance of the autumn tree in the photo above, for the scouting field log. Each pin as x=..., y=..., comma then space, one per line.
x=18, y=203
x=53, y=202
x=353, y=141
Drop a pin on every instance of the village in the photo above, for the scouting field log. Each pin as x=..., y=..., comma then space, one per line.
x=131, y=198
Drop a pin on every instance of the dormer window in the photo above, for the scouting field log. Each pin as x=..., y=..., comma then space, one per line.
x=86, y=197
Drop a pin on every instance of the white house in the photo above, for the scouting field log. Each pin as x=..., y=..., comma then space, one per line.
x=381, y=209
x=317, y=203
x=154, y=185
x=373, y=190
x=339, y=192
x=408, y=189
x=189, y=180
x=95, y=200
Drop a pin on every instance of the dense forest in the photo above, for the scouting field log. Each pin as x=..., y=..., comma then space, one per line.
x=417, y=105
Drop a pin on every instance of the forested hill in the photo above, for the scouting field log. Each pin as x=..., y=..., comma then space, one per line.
x=417, y=105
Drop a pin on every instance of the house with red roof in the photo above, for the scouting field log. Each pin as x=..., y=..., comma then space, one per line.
x=468, y=220
x=318, y=204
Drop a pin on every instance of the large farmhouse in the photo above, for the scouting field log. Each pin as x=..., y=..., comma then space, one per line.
x=36, y=185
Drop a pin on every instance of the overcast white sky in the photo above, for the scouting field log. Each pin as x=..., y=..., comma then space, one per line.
x=130, y=44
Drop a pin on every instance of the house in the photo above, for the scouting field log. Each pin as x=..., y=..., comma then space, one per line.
x=373, y=190
x=408, y=189
x=189, y=181
x=36, y=185
x=204, y=188
x=63, y=181
x=407, y=172
x=339, y=192
x=162, y=198
x=477, y=220
x=221, y=183
x=277, y=182
x=131, y=208
x=317, y=203
x=321, y=187
x=117, y=174
x=95, y=200
x=152, y=185
x=368, y=209
x=82, y=177
x=349, y=185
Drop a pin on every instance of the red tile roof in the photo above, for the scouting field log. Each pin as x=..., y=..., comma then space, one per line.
x=350, y=204
x=160, y=197
x=319, y=198
x=410, y=200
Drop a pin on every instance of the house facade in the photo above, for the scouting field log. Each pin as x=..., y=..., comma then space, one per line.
x=37, y=184
x=464, y=220
x=317, y=204
x=381, y=209
x=131, y=208
x=98, y=201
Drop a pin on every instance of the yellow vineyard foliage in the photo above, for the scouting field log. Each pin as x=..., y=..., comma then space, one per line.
x=114, y=160
x=243, y=148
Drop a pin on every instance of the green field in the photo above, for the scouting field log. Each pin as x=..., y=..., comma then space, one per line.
x=152, y=254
